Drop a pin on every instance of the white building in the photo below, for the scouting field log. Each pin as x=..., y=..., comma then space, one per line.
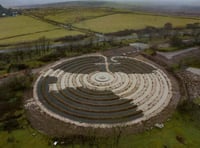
x=139, y=46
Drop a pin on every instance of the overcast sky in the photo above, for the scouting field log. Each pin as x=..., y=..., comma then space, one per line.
x=29, y=2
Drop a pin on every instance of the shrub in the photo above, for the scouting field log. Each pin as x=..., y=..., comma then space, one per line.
x=17, y=67
x=176, y=41
x=11, y=91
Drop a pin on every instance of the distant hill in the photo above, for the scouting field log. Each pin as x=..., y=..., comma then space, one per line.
x=134, y=6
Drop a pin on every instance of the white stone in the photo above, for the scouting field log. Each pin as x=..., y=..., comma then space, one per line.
x=55, y=143
x=160, y=126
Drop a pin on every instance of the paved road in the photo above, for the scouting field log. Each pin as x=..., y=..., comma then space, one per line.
x=170, y=55
x=194, y=70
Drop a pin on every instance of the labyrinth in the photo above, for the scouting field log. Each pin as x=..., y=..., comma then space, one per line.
x=100, y=91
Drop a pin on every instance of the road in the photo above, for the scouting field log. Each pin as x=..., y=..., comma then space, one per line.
x=170, y=55
x=97, y=39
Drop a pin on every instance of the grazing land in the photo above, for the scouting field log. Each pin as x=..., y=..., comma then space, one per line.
x=103, y=20
x=74, y=15
x=118, y=22
x=52, y=34
x=14, y=26
x=24, y=28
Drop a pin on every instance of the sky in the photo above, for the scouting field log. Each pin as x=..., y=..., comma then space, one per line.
x=30, y=2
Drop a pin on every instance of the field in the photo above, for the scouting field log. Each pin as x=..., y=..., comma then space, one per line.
x=72, y=15
x=118, y=22
x=105, y=20
x=49, y=34
x=24, y=28
x=20, y=25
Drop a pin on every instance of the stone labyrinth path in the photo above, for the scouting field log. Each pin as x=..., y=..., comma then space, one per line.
x=99, y=91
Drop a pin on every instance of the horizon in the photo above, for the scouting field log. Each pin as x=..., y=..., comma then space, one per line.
x=12, y=3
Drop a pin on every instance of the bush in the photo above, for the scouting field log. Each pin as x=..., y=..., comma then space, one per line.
x=122, y=33
x=50, y=57
x=191, y=109
x=150, y=52
x=191, y=62
x=71, y=38
x=11, y=92
x=10, y=125
x=168, y=26
x=176, y=41
x=17, y=67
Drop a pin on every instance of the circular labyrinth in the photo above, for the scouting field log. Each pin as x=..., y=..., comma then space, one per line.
x=103, y=91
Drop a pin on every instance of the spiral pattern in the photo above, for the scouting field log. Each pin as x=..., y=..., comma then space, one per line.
x=103, y=91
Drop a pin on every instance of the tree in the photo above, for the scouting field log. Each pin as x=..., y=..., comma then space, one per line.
x=176, y=41
x=168, y=26
x=166, y=30
x=197, y=38
x=42, y=45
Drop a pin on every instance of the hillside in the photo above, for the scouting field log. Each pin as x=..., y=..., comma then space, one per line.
x=134, y=6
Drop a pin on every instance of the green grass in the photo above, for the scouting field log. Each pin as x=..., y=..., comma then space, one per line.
x=118, y=22
x=180, y=125
x=197, y=101
x=191, y=62
x=158, y=138
x=49, y=35
x=2, y=72
x=167, y=136
x=12, y=26
x=35, y=64
x=23, y=137
x=71, y=15
x=30, y=29
x=149, y=51
x=169, y=49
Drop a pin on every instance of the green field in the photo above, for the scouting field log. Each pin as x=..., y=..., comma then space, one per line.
x=72, y=15
x=118, y=22
x=24, y=28
x=12, y=26
x=49, y=35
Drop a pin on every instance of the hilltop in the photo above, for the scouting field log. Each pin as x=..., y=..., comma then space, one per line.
x=162, y=8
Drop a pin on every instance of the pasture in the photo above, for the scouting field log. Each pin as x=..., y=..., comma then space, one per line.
x=24, y=28
x=71, y=15
x=52, y=34
x=74, y=16
x=14, y=26
x=119, y=22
